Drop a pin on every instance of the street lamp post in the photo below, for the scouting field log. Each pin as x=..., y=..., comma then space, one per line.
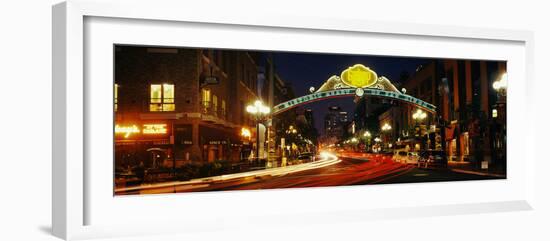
x=419, y=116
x=368, y=136
x=501, y=85
x=499, y=119
x=377, y=140
x=293, y=135
x=259, y=111
x=386, y=128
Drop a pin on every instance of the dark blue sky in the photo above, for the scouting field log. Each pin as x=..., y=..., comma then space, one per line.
x=303, y=70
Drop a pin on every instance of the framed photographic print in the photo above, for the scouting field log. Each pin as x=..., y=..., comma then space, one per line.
x=178, y=122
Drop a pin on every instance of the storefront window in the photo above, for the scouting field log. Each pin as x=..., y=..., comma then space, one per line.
x=162, y=98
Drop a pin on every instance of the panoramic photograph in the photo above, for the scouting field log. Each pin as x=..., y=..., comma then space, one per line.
x=206, y=119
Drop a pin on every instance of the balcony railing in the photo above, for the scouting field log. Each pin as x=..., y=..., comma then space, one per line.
x=161, y=104
x=207, y=109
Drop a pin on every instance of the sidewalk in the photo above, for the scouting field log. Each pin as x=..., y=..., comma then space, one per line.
x=471, y=168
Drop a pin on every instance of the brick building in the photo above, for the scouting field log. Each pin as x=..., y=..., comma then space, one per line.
x=178, y=105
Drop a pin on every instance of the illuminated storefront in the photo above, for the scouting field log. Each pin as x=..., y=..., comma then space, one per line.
x=147, y=143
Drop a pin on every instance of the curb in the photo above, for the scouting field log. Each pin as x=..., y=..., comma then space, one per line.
x=478, y=173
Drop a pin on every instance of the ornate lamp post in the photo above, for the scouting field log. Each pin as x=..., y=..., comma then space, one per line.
x=386, y=128
x=292, y=137
x=367, y=136
x=501, y=85
x=418, y=117
x=499, y=119
x=260, y=112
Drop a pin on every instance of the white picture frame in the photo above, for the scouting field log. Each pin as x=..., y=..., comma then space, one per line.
x=72, y=193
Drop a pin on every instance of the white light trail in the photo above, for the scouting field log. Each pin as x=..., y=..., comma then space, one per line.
x=327, y=159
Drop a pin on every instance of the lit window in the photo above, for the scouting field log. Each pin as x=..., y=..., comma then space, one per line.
x=205, y=100
x=116, y=97
x=215, y=104
x=162, y=98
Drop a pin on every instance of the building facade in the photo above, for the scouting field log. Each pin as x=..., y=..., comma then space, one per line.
x=336, y=123
x=465, y=125
x=175, y=105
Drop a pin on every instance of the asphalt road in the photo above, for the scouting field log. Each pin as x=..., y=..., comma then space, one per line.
x=353, y=169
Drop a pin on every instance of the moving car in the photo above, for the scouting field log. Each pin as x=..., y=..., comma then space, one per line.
x=407, y=157
x=432, y=159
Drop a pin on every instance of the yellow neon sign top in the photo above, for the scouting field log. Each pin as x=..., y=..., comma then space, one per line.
x=359, y=76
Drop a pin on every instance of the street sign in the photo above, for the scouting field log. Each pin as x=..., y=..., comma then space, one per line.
x=210, y=80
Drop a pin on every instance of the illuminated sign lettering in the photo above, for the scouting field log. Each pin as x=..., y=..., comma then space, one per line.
x=147, y=129
x=359, y=76
x=126, y=130
x=154, y=129
x=351, y=92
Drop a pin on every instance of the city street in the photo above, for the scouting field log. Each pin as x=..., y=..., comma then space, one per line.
x=199, y=120
x=348, y=169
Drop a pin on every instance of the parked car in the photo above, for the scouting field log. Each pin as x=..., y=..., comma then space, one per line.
x=432, y=159
x=403, y=156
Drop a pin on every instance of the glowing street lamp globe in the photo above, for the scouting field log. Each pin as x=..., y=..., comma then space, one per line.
x=264, y=110
x=502, y=83
x=251, y=109
x=359, y=92
x=419, y=115
x=386, y=127
x=258, y=108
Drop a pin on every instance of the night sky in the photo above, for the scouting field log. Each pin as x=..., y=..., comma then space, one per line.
x=303, y=70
